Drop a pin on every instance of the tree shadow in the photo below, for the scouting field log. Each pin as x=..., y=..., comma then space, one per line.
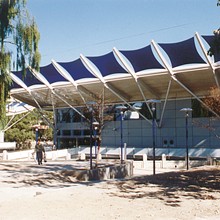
x=170, y=187
x=47, y=176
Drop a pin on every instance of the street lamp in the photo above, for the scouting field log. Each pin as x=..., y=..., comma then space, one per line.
x=36, y=131
x=90, y=105
x=95, y=128
x=122, y=109
x=153, y=108
x=187, y=110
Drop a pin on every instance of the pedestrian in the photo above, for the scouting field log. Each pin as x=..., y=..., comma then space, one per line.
x=40, y=152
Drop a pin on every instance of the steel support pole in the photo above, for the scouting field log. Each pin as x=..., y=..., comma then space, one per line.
x=121, y=137
x=154, y=141
x=90, y=156
x=187, y=146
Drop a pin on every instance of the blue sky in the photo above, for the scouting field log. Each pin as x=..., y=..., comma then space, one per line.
x=69, y=28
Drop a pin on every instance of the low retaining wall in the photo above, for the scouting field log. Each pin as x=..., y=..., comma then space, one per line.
x=171, y=164
x=7, y=145
x=107, y=172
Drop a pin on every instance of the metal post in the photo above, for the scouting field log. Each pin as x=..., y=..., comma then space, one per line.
x=36, y=130
x=90, y=105
x=95, y=126
x=154, y=141
x=95, y=141
x=121, y=137
x=153, y=108
x=122, y=109
x=187, y=110
x=91, y=119
x=187, y=146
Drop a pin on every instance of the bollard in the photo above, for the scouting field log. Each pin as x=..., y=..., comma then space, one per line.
x=209, y=160
x=144, y=161
x=82, y=156
x=107, y=174
x=5, y=155
x=68, y=156
x=125, y=151
x=163, y=160
x=54, y=155
x=30, y=155
x=99, y=157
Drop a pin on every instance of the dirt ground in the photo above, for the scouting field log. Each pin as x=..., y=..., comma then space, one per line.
x=29, y=191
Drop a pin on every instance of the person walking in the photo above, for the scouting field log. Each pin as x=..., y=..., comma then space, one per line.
x=40, y=152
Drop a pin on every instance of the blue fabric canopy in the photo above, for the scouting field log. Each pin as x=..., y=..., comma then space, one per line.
x=211, y=40
x=179, y=53
x=51, y=74
x=193, y=80
x=76, y=69
x=29, y=79
x=142, y=59
x=182, y=52
x=107, y=64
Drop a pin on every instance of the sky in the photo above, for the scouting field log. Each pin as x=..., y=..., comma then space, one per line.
x=69, y=28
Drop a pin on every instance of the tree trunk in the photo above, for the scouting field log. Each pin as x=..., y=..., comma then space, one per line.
x=2, y=106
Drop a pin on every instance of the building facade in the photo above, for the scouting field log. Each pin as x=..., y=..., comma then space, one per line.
x=203, y=132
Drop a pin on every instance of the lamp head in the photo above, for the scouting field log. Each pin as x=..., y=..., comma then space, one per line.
x=186, y=110
x=122, y=108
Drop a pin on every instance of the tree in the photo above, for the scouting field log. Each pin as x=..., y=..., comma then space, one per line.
x=213, y=100
x=215, y=45
x=19, y=39
x=23, y=132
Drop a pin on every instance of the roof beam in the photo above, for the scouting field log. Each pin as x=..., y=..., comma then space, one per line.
x=165, y=102
x=80, y=89
x=100, y=77
x=40, y=77
x=207, y=58
x=138, y=81
x=23, y=85
x=109, y=86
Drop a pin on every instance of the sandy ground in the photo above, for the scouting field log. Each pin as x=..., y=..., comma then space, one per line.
x=29, y=191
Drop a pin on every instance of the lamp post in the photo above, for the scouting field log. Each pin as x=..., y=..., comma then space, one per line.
x=153, y=108
x=122, y=109
x=90, y=105
x=36, y=134
x=187, y=110
x=95, y=128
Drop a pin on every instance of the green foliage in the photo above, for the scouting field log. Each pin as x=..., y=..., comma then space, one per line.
x=23, y=132
x=19, y=38
x=213, y=100
x=199, y=110
x=27, y=38
x=215, y=44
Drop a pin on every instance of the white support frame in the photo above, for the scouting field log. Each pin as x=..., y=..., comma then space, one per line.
x=172, y=75
x=80, y=89
x=107, y=85
x=41, y=78
x=135, y=77
x=207, y=58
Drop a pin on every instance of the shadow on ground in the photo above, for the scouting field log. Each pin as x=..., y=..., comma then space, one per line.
x=49, y=175
x=202, y=184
